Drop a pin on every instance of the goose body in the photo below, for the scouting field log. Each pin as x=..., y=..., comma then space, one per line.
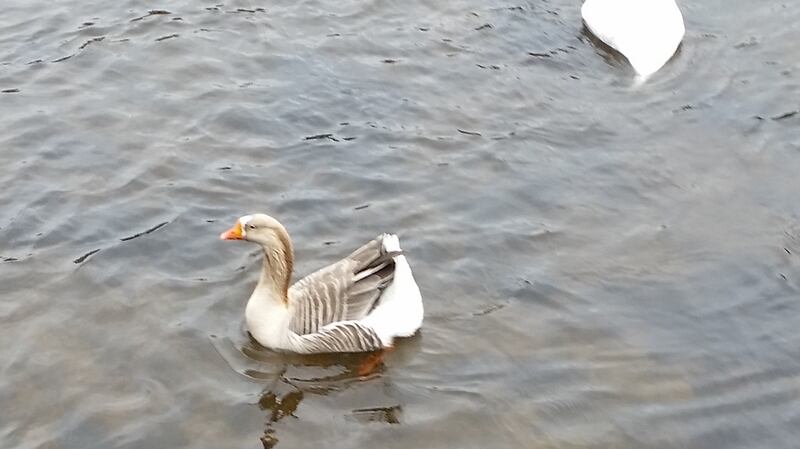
x=360, y=303
x=646, y=32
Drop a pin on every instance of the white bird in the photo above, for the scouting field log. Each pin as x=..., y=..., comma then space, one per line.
x=360, y=303
x=646, y=32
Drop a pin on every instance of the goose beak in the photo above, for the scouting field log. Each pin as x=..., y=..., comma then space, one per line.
x=234, y=233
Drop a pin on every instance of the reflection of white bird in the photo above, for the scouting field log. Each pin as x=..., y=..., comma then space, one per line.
x=360, y=303
x=647, y=32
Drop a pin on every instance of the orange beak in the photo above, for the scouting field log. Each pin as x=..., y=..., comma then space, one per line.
x=234, y=233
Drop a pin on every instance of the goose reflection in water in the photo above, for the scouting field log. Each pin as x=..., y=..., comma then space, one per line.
x=293, y=378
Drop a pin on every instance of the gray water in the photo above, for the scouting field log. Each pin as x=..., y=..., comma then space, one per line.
x=603, y=265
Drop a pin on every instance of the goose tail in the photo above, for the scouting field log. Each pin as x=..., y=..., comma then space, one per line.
x=399, y=311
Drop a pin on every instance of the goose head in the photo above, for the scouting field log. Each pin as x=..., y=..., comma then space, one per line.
x=270, y=234
x=258, y=228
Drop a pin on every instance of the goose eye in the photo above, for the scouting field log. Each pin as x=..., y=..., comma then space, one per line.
x=251, y=226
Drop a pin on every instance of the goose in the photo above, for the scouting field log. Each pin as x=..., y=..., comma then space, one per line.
x=358, y=304
x=646, y=32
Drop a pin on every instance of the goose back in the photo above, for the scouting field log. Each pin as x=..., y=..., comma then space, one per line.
x=344, y=291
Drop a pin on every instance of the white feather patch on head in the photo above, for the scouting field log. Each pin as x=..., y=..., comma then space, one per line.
x=243, y=221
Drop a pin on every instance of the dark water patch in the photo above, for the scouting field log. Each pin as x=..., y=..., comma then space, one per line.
x=10, y=91
x=488, y=310
x=469, y=133
x=249, y=11
x=328, y=136
x=83, y=258
x=151, y=13
x=752, y=42
x=148, y=231
x=785, y=115
x=388, y=415
x=91, y=41
x=169, y=36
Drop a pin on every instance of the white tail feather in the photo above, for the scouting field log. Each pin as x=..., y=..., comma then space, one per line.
x=391, y=243
x=399, y=312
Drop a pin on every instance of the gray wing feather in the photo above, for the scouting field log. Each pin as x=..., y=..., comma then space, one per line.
x=345, y=290
x=343, y=336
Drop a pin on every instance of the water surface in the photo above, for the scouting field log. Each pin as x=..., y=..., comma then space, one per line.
x=602, y=265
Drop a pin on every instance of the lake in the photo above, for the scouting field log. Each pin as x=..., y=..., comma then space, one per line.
x=603, y=265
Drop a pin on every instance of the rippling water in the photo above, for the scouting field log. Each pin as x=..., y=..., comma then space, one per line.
x=603, y=265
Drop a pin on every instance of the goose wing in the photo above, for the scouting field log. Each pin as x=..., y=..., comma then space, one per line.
x=341, y=336
x=346, y=290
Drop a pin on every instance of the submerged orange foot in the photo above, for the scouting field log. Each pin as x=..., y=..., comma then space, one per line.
x=371, y=363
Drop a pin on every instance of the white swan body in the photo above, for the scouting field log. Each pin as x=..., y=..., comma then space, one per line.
x=646, y=32
x=360, y=303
